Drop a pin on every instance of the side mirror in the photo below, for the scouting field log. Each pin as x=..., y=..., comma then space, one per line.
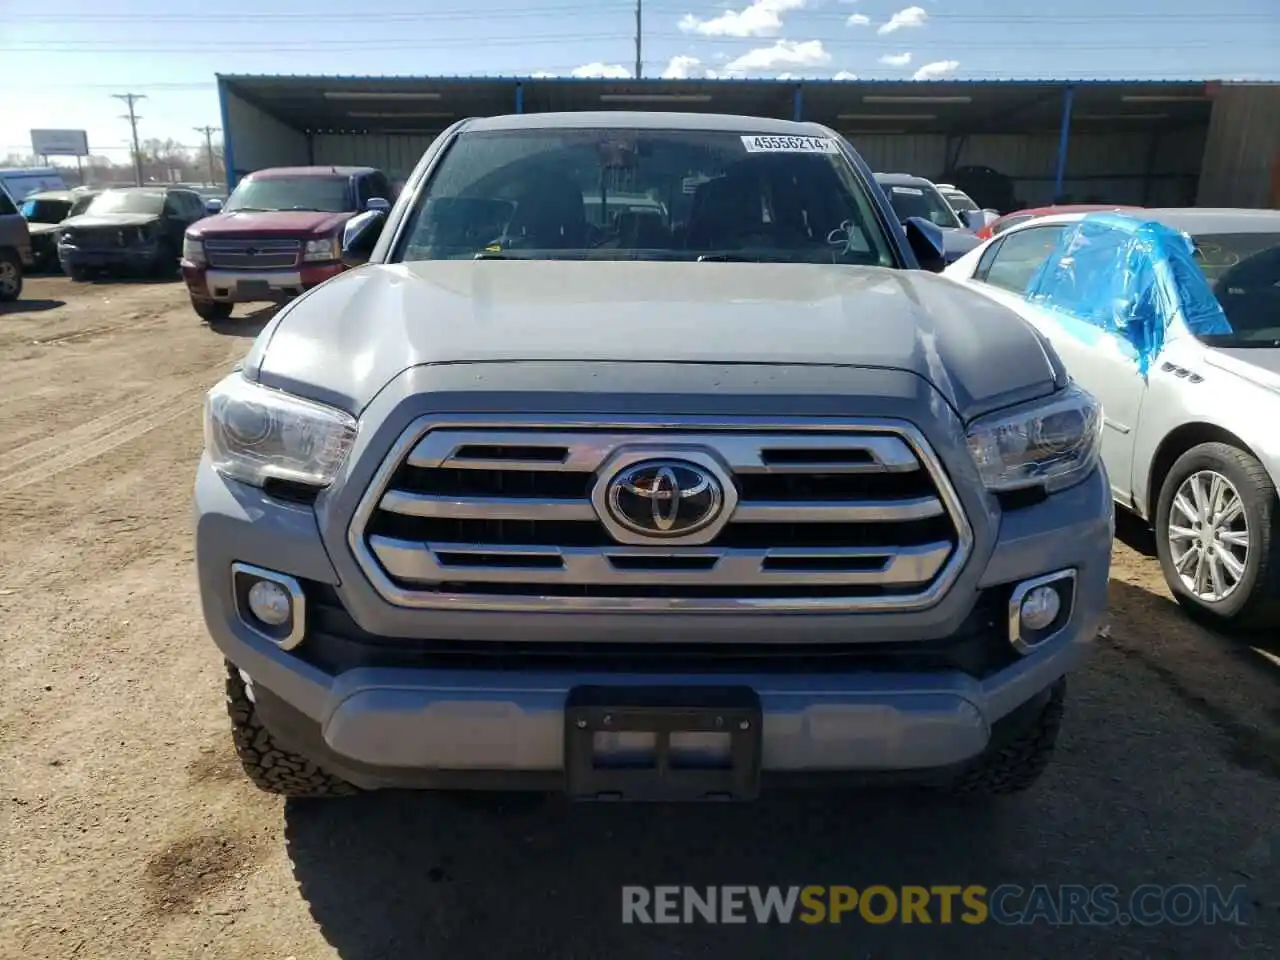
x=213, y=205
x=360, y=236
x=377, y=203
x=974, y=219
x=925, y=239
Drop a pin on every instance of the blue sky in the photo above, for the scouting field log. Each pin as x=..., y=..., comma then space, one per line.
x=61, y=68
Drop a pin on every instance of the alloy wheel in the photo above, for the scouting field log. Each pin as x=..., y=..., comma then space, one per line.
x=1208, y=536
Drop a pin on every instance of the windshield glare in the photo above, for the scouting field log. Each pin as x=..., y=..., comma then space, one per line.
x=961, y=203
x=1244, y=271
x=126, y=201
x=45, y=211
x=921, y=201
x=645, y=195
x=328, y=194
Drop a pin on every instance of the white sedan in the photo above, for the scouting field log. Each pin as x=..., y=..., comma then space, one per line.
x=1181, y=343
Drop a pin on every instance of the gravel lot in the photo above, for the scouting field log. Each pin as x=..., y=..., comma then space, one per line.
x=127, y=831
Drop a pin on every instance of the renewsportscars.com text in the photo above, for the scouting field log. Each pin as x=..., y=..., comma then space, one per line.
x=973, y=904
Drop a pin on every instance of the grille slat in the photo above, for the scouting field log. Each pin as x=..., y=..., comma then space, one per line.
x=504, y=518
x=263, y=254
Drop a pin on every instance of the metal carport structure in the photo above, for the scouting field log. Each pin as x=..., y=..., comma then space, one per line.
x=1120, y=141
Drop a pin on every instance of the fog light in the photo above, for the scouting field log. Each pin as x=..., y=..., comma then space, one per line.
x=1040, y=608
x=270, y=603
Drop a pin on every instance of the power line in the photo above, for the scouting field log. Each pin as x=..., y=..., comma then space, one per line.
x=133, y=118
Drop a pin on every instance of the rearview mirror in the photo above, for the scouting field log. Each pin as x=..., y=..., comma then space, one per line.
x=360, y=236
x=974, y=219
x=377, y=203
x=925, y=240
x=213, y=205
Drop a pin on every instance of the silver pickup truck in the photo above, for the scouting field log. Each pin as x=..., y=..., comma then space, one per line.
x=652, y=501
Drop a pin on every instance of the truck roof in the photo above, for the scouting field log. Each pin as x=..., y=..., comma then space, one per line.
x=646, y=120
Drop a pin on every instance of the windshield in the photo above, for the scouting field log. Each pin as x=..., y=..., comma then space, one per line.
x=126, y=201
x=960, y=202
x=329, y=194
x=625, y=194
x=1244, y=271
x=45, y=211
x=922, y=201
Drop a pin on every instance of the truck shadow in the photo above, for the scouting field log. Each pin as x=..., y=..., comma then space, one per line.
x=247, y=326
x=421, y=875
x=29, y=306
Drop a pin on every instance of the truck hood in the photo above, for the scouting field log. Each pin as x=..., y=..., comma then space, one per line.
x=268, y=223
x=345, y=340
x=88, y=222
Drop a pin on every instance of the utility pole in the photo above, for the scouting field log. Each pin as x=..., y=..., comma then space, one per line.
x=639, y=13
x=208, y=145
x=133, y=118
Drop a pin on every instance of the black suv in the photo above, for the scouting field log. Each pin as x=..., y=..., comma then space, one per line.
x=136, y=230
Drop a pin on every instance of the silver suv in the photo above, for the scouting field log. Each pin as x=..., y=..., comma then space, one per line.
x=15, y=248
x=660, y=503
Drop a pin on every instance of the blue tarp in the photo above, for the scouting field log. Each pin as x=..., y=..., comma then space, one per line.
x=1131, y=277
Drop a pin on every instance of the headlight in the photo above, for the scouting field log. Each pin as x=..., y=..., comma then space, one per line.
x=1053, y=443
x=327, y=249
x=254, y=434
x=193, y=249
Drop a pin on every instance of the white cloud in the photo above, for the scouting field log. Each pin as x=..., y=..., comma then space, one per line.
x=909, y=17
x=858, y=20
x=760, y=18
x=605, y=71
x=680, y=68
x=786, y=76
x=939, y=68
x=896, y=59
x=845, y=75
x=784, y=53
x=542, y=74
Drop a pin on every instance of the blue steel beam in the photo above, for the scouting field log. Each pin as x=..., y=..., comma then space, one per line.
x=1064, y=137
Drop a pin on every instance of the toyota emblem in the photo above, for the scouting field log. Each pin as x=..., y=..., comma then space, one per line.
x=664, y=498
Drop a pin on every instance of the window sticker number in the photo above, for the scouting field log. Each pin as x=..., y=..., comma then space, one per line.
x=762, y=144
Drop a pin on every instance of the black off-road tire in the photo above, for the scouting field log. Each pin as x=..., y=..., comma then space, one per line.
x=1015, y=763
x=212, y=311
x=78, y=274
x=10, y=259
x=1255, y=603
x=271, y=767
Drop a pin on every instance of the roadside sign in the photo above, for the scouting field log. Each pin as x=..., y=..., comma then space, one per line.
x=60, y=143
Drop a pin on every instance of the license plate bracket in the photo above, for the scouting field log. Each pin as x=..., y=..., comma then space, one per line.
x=254, y=288
x=661, y=711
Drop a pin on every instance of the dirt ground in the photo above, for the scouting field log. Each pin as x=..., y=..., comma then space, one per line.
x=126, y=829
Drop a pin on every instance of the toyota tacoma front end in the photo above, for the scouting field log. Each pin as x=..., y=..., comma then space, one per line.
x=660, y=506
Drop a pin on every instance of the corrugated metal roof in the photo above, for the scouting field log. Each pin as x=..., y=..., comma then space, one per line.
x=522, y=78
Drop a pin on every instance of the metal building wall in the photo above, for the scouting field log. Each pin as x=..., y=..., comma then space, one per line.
x=395, y=154
x=1140, y=168
x=1241, y=166
x=255, y=139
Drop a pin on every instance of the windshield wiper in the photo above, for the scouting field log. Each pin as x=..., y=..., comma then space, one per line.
x=727, y=258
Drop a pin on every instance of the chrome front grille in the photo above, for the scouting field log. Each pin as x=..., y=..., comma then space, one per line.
x=252, y=254
x=838, y=517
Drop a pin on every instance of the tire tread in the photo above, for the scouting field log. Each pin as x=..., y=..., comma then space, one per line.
x=270, y=766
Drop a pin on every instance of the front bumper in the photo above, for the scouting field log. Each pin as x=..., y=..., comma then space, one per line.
x=382, y=725
x=251, y=286
x=137, y=257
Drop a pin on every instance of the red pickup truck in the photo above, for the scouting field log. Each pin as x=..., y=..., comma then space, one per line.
x=278, y=234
